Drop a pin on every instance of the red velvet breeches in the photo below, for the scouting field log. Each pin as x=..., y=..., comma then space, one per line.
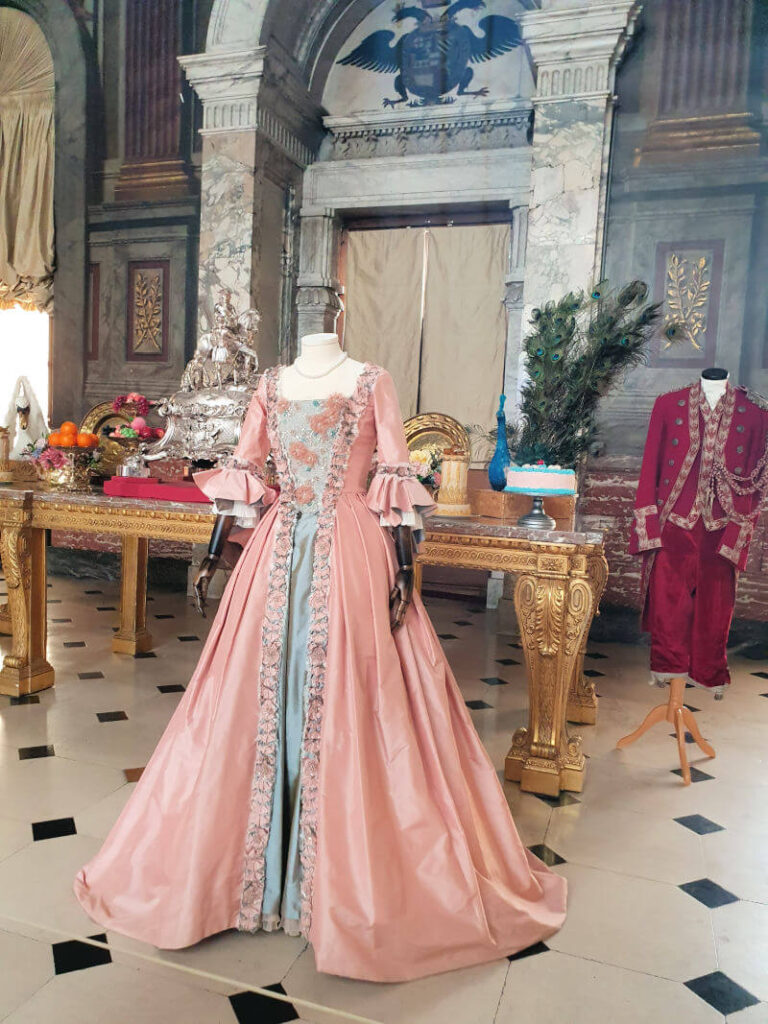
x=689, y=606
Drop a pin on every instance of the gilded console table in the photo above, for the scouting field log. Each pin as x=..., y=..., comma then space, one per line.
x=25, y=514
x=560, y=579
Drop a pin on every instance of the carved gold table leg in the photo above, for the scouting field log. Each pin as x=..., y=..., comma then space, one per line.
x=554, y=612
x=5, y=620
x=25, y=670
x=582, y=699
x=133, y=637
x=418, y=573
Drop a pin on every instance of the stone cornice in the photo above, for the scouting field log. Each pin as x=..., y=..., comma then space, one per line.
x=249, y=90
x=576, y=50
x=503, y=112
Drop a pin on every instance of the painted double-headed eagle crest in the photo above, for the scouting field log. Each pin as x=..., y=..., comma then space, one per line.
x=434, y=58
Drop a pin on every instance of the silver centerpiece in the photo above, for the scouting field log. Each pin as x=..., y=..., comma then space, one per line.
x=204, y=418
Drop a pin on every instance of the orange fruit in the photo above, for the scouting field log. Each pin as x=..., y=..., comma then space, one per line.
x=94, y=440
x=66, y=440
x=54, y=438
x=68, y=427
x=83, y=440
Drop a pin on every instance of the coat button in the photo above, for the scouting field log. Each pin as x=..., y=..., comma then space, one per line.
x=740, y=428
x=742, y=408
x=681, y=402
x=678, y=422
x=671, y=462
x=738, y=469
x=740, y=450
x=666, y=480
x=675, y=440
x=298, y=513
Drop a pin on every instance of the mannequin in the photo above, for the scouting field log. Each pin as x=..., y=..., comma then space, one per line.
x=321, y=369
x=714, y=382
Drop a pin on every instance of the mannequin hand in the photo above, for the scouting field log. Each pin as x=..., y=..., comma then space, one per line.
x=204, y=576
x=400, y=598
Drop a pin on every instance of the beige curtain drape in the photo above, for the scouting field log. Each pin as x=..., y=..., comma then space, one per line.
x=383, y=304
x=465, y=323
x=447, y=282
x=26, y=163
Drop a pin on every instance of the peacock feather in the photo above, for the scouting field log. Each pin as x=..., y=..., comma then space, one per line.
x=578, y=349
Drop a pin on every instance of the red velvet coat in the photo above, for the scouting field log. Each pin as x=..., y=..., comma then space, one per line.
x=703, y=463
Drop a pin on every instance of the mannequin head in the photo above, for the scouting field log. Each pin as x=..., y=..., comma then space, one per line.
x=715, y=373
x=314, y=341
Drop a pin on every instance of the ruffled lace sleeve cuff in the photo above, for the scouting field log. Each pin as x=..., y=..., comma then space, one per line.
x=396, y=494
x=237, y=489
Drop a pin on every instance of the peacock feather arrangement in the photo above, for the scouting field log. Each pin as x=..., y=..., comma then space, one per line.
x=578, y=350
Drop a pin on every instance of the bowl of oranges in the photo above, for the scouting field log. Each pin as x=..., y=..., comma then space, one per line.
x=68, y=437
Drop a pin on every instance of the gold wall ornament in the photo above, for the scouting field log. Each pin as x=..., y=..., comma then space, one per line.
x=148, y=312
x=688, y=281
x=435, y=430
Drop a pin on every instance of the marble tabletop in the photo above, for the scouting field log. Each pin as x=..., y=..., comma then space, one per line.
x=484, y=526
x=95, y=497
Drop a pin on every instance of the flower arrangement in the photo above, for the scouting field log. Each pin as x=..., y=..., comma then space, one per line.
x=427, y=462
x=134, y=399
x=67, y=466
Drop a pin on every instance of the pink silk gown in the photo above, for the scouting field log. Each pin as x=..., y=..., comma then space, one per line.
x=407, y=860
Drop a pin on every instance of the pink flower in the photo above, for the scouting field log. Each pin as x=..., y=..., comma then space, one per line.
x=301, y=453
x=283, y=405
x=437, y=477
x=305, y=494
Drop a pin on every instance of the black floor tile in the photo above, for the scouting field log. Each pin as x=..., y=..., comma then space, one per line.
x=447, y=636
x=544, y=853
x=53, y=829
x=760, y=675
x=764, y=694
x=697, y=775
x=74, y=643
x=692, y=708
x=254, y=1008
x=688, y=737
x=462, y=622
x=539, y=947
x=709, y=893
x=507, y=661
x=52, y=600
x=25, y=753
x=518, y=647
x=188, y=639
x=171, y=688
x=699, y=824
x=721, y=993
x=61, y=620
x=93, y=591
x=596, y=655
x=77, y=956
x=165, y=616
x=563, y=800
x=106, y=608
x=477, y=705
x=592, y=673
x=145, y=654
x=495, y=681
x=90, y=675
x=111, y=716
x=25, y=698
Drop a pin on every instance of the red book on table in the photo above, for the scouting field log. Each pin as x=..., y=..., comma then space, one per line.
x=151, y=487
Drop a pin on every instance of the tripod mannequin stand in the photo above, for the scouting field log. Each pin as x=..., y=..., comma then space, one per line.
x=678, y=715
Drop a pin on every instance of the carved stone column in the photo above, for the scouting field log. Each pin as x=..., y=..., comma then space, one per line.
x=317, y=300
x=702, y=93
x=155, y=166
x=259, y=127
x=576, y=50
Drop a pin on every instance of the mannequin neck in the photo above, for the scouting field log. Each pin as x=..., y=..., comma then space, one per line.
x=319, y=352
x=714, y=383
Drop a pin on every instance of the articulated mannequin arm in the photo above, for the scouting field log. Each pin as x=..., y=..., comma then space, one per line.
x=402, y=592
x=210, y=563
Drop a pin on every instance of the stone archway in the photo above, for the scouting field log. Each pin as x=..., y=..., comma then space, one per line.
x=65, y=39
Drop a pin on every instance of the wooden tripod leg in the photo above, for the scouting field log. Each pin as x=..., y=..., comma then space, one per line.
x=657, y=714
x=693, y=729
x=680, y=730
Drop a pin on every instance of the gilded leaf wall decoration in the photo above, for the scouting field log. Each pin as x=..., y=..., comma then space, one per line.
x=148, y=312
x=688, y=279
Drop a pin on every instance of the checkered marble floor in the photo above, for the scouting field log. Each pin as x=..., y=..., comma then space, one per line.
x=668, y=904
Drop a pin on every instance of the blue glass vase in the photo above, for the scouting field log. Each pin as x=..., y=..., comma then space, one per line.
x=497, y=470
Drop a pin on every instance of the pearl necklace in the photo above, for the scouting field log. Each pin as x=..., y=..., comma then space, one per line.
x=323, y=373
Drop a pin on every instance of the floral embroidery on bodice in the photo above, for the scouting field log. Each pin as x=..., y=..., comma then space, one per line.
x=308, y=430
